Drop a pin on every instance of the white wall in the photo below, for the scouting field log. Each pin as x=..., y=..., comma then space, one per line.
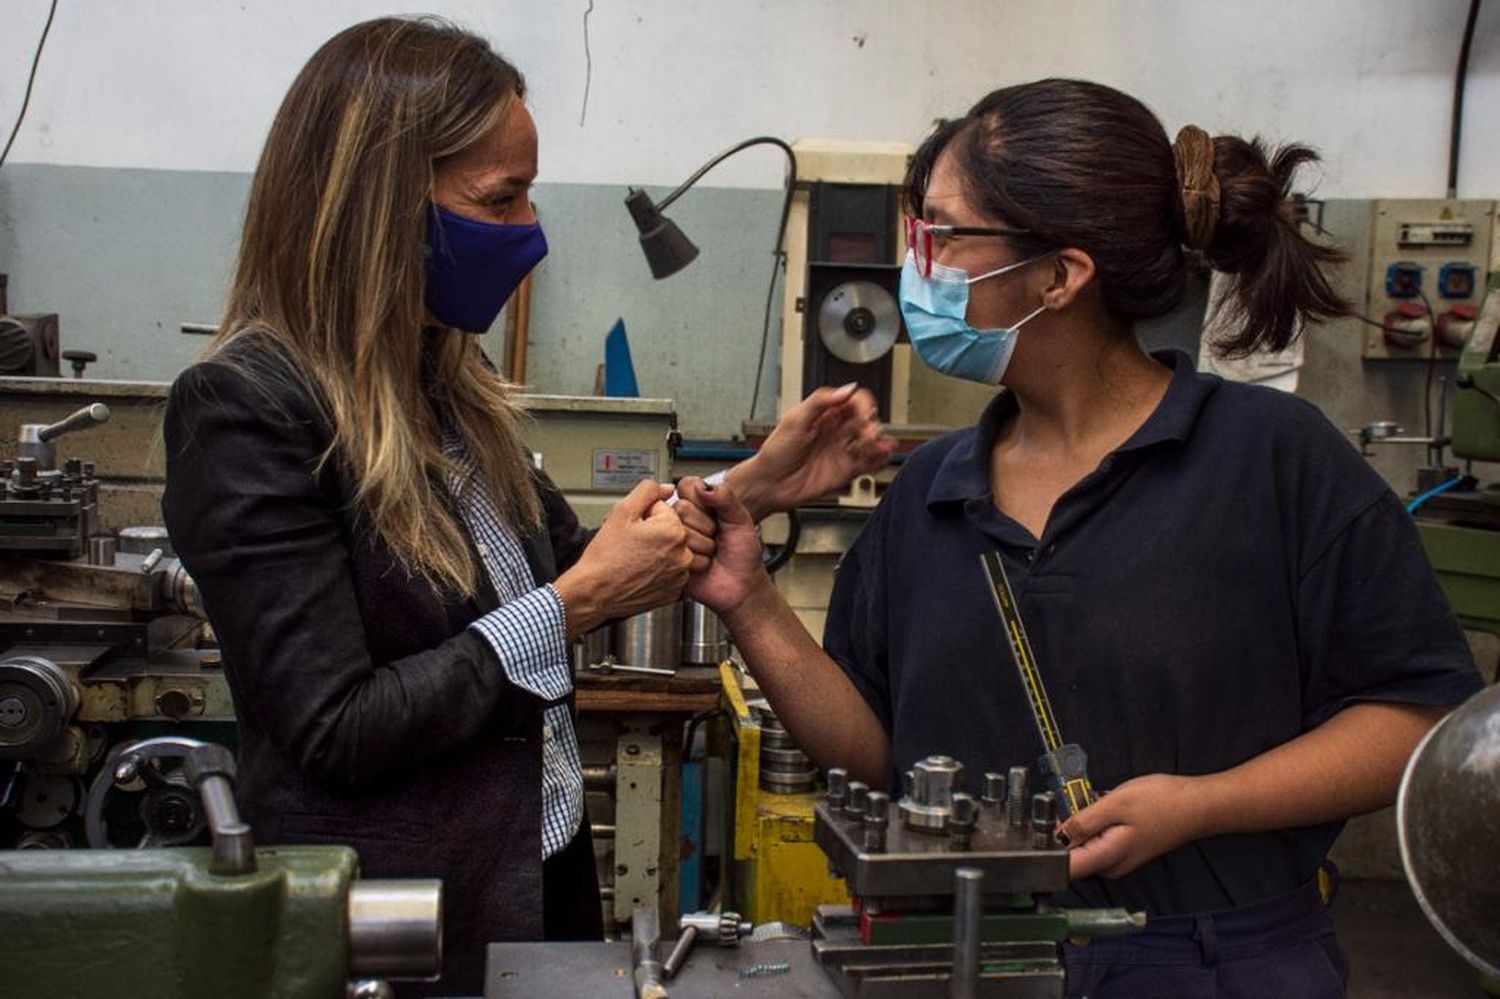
x=192, y=84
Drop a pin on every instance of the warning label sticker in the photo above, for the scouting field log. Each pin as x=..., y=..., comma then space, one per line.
x=621, y=468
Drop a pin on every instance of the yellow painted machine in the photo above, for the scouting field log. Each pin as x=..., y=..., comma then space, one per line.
x=780, y=874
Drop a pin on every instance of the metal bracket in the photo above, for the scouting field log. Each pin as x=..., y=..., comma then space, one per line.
x=638, y=796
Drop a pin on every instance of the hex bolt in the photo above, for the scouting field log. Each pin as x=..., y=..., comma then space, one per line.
x=962, y=822
x=877, y=821
x=994, y=789
x=1015, y=796
x=1043, y=819
x=838, y=788
x=858, y=802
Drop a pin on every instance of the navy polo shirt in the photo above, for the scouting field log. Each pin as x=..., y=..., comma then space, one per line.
x=1230, y=577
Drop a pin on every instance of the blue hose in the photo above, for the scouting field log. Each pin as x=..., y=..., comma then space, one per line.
x=1429, y=494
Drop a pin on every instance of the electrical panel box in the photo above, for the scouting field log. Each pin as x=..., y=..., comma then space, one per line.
x=1426, y=267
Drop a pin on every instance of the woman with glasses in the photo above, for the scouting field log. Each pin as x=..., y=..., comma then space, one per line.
x=393, y=586
x=1232, y=614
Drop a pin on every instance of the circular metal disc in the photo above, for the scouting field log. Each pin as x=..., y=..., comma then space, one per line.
x=858, y=322
x=1446, y=814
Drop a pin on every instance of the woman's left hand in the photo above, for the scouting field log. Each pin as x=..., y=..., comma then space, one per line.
x=1138, y=821
x=818, y=446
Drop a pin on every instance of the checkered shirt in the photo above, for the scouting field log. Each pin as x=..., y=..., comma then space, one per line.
x=528, y=633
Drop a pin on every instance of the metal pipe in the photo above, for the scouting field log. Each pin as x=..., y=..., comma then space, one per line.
x=968, y=898
x=645, y=938
x=396, y=928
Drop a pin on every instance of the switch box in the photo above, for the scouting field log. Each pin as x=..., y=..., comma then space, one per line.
x=1426, y=252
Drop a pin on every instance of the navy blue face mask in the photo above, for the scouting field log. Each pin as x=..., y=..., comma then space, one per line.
x=473, y=267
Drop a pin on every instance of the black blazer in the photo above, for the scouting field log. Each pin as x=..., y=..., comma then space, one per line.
x=369, y=714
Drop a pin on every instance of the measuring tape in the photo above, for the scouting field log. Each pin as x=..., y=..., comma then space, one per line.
x=1064, y=766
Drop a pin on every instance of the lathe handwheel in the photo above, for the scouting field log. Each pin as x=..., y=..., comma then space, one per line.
x=169, y=809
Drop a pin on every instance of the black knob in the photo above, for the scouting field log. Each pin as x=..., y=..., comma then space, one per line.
x=80, y=359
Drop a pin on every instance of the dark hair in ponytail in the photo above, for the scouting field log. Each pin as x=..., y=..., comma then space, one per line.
x=1084, y=165
x=1277, y=272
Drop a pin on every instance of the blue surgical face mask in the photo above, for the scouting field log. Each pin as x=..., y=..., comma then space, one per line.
x=935, y=309
x=473, y=267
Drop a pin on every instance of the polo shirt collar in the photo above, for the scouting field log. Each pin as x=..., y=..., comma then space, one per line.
x=964, y=472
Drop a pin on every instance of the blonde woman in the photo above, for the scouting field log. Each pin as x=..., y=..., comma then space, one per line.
x=393, y=586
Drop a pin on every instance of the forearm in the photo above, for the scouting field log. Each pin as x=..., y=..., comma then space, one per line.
x=753, y=488
x=811, y=695
x=1350, y=764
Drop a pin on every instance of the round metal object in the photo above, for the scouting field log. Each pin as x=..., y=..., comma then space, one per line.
x=704, y=639
x=44, y=839
x=47, y=800
x=396, y=928
x=652, y=639
x=838, y=787
x=591, y=649
x=794, y=757
x=1445, y=819
x=928, y=803
x=371, y=988
x=779, y=931
x=790, y=783
x=128, y=763
x=102, y=549
x=858, y=322
x=17, y=348
x=776, y=739
x=36, y=700
x=145, y=540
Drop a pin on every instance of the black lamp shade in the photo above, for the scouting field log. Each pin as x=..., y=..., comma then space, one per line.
x=667, y=249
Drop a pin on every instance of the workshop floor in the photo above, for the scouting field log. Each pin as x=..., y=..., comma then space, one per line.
x=1394, y=953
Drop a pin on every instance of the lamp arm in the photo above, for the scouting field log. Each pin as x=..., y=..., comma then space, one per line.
x=759, y=140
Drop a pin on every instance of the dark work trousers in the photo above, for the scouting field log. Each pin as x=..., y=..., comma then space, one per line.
x=1282, y=948
x=571, y=909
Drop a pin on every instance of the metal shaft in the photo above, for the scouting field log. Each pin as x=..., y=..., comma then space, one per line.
x=680, y=952
x=645, y=938
x=968, y=898
x=89, y=416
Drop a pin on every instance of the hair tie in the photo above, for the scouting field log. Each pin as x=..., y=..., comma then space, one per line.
x=1197, y=185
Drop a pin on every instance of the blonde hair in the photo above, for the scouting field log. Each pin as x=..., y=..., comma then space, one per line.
x=332, y=269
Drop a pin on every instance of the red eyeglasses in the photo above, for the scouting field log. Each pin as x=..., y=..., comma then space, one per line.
x=919, y=238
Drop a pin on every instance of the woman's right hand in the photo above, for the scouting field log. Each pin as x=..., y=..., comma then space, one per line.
x=638, y=560
x=736, y=573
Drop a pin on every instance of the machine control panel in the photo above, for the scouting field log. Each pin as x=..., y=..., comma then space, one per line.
x=1427, y=258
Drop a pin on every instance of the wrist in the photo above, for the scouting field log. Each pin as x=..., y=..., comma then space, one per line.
x=759, y=601
x=1207, y=806
x=580, y=595
x=752, y=487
